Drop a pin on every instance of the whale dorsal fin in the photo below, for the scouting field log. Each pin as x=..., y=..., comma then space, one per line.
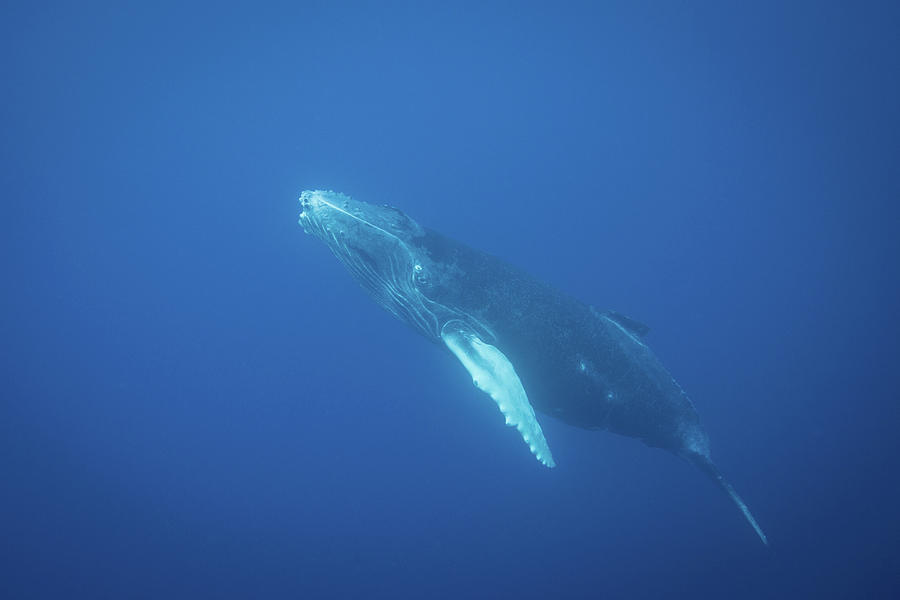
x=493, y=374
x=632, y=325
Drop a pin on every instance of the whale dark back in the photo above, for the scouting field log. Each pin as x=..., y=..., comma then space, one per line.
x=588, y=368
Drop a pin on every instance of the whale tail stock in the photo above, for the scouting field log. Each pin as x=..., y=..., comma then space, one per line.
x=712, y=471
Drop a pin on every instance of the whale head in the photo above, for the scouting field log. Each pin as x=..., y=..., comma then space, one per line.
x=377, y=244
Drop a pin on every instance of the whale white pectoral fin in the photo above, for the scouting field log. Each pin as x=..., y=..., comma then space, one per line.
x=493, y=374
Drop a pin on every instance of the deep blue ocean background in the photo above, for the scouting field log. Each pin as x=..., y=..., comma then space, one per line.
x=198, y=402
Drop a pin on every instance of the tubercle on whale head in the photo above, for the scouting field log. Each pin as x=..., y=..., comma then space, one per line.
x=315, y=206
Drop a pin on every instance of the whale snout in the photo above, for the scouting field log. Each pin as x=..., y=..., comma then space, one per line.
x=306, y=204
x=315, y=204
x=309, y=205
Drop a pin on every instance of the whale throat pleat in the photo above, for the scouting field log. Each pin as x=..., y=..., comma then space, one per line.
x=493, y=374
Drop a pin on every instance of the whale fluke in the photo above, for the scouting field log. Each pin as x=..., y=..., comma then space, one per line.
x=712, y=471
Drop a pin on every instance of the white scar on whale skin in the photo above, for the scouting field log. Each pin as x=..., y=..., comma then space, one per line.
x=626, y=332
x=493, y=374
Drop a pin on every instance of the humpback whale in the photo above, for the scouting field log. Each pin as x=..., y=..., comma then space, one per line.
x=525, y=344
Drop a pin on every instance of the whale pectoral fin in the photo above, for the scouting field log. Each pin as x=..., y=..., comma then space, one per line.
x=493, y=374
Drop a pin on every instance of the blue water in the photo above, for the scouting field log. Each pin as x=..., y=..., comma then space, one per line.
x=198, y=402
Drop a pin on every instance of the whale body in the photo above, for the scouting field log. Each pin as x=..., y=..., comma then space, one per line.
x=525, y=344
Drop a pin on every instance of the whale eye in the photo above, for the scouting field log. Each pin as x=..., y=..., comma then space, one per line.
x=419, y=274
